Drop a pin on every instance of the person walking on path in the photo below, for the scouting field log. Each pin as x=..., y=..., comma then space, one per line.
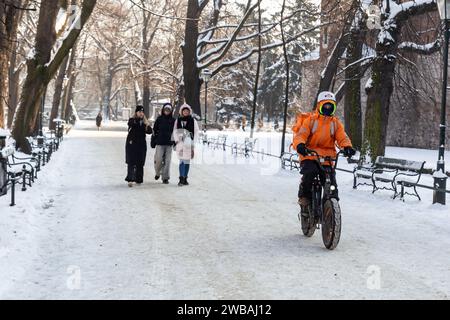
x=98, y=121
x=162, y=137
x=184, y=134
x=136, y=147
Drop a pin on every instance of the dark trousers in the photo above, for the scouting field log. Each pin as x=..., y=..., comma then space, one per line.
x=135, y=174
x=310, y=169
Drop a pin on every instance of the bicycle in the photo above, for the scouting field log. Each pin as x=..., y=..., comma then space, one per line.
x=324, y=210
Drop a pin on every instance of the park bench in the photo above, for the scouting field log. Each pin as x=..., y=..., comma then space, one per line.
x=290, y=160
x=388, y=174
x=51, y=136
x=211, y=141
x=221, y=142
x=23, y=165
x=11, y=174
x=245, y=149
x=203, y=138
x=42, y=148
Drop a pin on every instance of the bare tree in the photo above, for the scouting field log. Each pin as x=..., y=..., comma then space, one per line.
x=10, y=14
x=41, y=66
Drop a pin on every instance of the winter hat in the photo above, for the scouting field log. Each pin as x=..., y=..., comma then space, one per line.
x=139, y=108
x=185, y=106
x=326, y=95
x=167, y=106
x=326, y=103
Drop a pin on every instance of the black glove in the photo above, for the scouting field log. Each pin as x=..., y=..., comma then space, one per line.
x=301, y=149
x=349, y=152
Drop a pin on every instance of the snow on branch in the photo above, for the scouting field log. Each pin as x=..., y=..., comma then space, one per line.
x=160, y=15
x=425, y=49
x=361, y=62
x=71, y=36
x=406, y=9
x=233, y=37
x=270, y=46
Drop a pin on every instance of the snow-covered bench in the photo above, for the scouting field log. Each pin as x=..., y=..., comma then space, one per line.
x=246, y=148
x=290, y=160
x=23, y=165
x=203, y=138
x=388, y=173
x=220, y=142
x=12, y=173
x=42, y=148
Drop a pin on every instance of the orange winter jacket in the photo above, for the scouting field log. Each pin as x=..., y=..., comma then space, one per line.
x=321, y=134
x=301, y=117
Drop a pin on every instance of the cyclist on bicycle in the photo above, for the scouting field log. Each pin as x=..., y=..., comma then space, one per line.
x=320, y=132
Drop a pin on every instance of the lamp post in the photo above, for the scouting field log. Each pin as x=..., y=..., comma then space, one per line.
x=206, y=75
x=440, y=179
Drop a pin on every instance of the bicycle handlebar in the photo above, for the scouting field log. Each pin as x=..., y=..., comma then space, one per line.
x=329, y=159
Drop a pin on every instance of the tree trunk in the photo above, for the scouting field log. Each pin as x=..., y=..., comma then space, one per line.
x=108, y=83
x=146, y=75
x=378, y=97
x=66, y=109
x=40, y=70
x=258, y=71
x=13, y=83
x=352, y=102
x=9, y=17
x=191, y=73
x=59, y=82
x=328, y=74
x=288, y=73
x=37, y=76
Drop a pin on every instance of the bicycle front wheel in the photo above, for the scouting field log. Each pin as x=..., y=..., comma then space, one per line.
x=331, y=224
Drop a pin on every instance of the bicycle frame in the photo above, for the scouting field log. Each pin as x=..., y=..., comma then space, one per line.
x=327, y=190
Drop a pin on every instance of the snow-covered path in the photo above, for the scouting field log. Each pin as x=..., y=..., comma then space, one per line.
x=232, y=234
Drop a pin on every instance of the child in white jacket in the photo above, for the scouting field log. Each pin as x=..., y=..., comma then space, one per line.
x=185, y=134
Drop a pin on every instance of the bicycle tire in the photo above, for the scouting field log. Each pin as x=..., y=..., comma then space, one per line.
x=331, y=224
x=308, y=225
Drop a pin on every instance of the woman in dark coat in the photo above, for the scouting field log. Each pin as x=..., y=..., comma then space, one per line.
x=136, y=147
x=98, y=120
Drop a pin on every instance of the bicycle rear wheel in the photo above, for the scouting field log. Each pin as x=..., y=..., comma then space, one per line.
x=307, y=222
x=331, y=224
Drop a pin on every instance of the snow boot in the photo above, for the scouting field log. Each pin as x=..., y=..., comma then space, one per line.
x=181, y=183
x=185, y=182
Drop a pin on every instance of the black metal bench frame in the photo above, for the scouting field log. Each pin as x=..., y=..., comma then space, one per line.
x=245, y=148
x=397, y=167
x=291, y=159
x=12, y=177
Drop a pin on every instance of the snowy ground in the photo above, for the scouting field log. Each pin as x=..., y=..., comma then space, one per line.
x=80, y=232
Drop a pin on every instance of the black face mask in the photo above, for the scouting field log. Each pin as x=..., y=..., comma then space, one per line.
x=328, y=109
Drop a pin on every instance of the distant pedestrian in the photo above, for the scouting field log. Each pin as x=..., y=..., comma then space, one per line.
x=185, y=133
x=98, y=121
x=163, y=140
x=136, y=147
